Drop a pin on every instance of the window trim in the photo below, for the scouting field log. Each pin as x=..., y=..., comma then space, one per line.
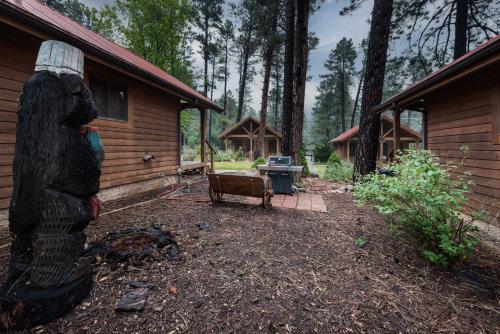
x=114, y=84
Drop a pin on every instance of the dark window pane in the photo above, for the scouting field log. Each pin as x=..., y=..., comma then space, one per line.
x=110, y=100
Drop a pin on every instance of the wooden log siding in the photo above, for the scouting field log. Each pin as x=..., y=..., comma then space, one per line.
x=152, y=124
x=462, y=115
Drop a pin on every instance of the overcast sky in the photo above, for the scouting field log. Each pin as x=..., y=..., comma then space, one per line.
x=328, y=26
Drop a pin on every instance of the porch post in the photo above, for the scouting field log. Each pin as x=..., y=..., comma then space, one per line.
x=348, y=150
x=203, y=136
x=382, y=139
x=397, y=128
x=251, y=145
x=278, y=148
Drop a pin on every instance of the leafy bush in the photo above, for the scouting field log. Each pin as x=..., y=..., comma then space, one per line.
x=238, y=155
x=224, y=155
x=258, y=161
x=303, y=162
x=337, y=169
x=189, y=153
x=423, y=198
x=322, y=152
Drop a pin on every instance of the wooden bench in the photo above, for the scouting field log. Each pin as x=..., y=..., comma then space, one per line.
x=233, y=184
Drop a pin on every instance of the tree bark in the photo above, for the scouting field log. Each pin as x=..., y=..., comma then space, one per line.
x=268, y=63
x=369, y=132
x=356, y=100
x=277, y=98
x=205, y=58
x=301, y=60
x=460, y=47
x=225, y=75
x=243, y=83
x=288, y=68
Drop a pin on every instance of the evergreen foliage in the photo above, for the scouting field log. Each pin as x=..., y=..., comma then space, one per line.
x=426, y=200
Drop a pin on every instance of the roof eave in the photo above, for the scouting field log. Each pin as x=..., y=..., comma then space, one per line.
x=433, y=79
x=31, y=20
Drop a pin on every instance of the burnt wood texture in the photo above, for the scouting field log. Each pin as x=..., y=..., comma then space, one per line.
x=55, y=172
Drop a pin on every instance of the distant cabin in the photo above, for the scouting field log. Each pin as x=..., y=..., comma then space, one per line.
x=244, y=135
x=139, y=104
x=460, y=104
x=346, y=143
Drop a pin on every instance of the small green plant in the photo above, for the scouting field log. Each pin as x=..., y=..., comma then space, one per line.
x=258, y=161
x=426, y=200
x=360, y=241
x=189, y=153
x=238, y=155
x=303, y=162
x=337, y=170
x=322, y=152
x=224, y=155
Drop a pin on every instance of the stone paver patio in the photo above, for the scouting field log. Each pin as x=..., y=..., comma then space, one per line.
x=300, y=201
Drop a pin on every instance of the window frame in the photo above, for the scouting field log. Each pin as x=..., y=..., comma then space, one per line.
x=115, y=85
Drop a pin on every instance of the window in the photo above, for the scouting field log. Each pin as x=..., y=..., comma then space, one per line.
x=110, y=99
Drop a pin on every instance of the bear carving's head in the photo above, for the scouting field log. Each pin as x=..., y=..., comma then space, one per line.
x=83, y=109
x=66, y=62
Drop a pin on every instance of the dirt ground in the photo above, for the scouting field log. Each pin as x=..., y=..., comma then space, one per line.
x=283, y=271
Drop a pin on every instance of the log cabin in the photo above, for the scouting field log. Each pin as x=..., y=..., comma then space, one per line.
x=139, y=104
x=243, y=135
x=346, y=143
x=460, y=105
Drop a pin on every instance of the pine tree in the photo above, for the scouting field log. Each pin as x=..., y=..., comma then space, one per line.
x=378, y=43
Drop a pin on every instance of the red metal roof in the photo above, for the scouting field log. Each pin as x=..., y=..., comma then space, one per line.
x=483, y=50
x=354, y=131
x=45, y=16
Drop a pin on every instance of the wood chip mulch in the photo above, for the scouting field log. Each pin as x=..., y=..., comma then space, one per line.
x=248, y=270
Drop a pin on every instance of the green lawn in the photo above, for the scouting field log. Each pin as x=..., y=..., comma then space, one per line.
x=234, y=165
x=321, y=169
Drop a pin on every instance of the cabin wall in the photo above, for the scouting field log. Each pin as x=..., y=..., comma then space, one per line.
x=464, y=114
x=152, y=124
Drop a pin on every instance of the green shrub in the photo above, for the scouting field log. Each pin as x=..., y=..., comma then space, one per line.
x=258, y=161
x=322, y=152
x=423, y=198
x=238, y=155
x=189, y=153
x=303, y=162
x=224, y=155
x=337, y=170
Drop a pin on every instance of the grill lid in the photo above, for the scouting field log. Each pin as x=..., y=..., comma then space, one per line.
x=280, y=161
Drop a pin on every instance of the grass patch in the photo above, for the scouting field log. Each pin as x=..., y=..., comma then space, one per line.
x=234, y=165
x=321, y=169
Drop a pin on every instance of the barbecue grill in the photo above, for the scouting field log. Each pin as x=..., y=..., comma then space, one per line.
x=281, y=171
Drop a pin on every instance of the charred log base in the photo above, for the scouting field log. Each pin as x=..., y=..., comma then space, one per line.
x=25, y=308
x=135, y=245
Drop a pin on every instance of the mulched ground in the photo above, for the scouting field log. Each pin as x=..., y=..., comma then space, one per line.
x=284, y=271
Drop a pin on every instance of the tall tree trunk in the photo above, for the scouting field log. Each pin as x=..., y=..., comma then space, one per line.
x=301, y=60
x=243, y=83
x=277, y=98
x=205, y=58
x=343, y=106
x=211, y=98
x=376, y=57
x=288, y=68
x=460, y=47
x=268, y=63
x=225, y=75
x=356, y=100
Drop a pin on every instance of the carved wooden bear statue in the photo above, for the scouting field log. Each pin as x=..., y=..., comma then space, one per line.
x=55, y=175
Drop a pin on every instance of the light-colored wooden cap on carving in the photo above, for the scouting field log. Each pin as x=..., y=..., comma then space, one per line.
x=59, y=57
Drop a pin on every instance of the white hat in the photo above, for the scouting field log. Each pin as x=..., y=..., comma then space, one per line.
x=59, y=57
